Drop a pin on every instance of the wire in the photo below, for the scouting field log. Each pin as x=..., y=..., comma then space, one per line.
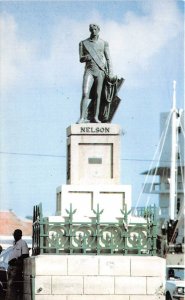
x=158, y=146
x=32, y=154
x=161, y=150
x=64, y=156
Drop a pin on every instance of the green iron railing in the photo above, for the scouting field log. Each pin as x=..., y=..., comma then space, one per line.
x=95, y=237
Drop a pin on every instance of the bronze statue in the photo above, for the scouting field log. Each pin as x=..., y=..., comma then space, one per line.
x=99, y=85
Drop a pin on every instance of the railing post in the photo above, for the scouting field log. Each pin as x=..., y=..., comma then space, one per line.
x=71, y=212
x=41, y=230
x=98, y=213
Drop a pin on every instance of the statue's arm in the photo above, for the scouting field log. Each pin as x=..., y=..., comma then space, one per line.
x=84, y=56
x=108, y=59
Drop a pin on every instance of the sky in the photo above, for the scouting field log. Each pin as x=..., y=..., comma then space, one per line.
x=41, y=80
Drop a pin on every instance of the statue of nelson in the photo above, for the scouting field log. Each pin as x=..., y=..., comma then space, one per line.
x=94, y=52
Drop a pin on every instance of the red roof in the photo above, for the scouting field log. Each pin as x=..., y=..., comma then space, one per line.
x=9, y=222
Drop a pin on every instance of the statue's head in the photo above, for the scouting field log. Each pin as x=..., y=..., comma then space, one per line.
x=94, y=28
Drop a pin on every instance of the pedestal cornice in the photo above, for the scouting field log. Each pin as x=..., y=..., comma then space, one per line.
x=94, y=129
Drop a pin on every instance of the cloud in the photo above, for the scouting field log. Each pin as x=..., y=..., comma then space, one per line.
x=16, y=54
x=140, y=38
x=134, y=42
x=62, y=66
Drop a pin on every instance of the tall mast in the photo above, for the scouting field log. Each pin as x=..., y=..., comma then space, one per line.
x=173, y=157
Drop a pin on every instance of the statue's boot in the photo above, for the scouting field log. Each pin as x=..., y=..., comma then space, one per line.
x=96, y=120
x=83, y=118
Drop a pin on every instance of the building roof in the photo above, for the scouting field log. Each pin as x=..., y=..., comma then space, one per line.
x=162, y=170
x=9, y=222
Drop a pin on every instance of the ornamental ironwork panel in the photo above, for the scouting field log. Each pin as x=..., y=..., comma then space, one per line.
x=95, y=237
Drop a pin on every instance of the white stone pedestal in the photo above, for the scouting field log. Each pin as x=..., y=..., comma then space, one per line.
x=93, y=173
x=93, y=154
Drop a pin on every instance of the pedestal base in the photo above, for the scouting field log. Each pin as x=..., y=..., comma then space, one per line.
x=81, y=277
x=85, y=198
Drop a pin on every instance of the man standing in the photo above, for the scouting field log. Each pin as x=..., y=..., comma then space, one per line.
x=95, y=53
x=15, y=267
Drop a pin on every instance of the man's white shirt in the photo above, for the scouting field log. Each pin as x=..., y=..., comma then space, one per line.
x=19, y=248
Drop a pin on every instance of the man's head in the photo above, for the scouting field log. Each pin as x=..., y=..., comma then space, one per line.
x=171, y=273
x=17, y=234
x=94, y=29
